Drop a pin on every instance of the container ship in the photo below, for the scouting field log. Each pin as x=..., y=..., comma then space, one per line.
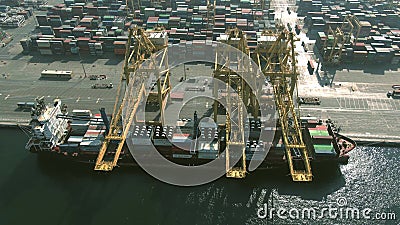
x=79, y=137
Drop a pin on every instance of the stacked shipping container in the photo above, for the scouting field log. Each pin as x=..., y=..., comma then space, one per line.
x=377, y=39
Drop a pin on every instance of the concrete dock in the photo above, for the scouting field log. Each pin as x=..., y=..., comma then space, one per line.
x=354, y=96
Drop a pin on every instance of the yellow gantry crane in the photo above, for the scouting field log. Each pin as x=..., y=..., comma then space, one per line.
x=333, y=46
x=211, y=14
x=351, y=26
x=336, y=38
x=226, y=69
x=276, y=57
x=114, y=141
x=278, y=62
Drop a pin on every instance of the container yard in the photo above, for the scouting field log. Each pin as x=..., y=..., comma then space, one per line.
x=353, y=32
x=12, y=17
x=105, y=24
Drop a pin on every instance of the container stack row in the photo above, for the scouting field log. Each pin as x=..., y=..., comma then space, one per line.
x=86, y=26
x=193, y=21
x=378, y=39
x=13, y=17
x=11, y=2
x=80, y=27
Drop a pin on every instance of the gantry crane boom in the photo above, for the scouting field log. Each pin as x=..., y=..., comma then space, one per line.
x=226, y=69
x=278, y=62
x=143, y=48
x=351, y=26
x=339, y=36
x=333, y=47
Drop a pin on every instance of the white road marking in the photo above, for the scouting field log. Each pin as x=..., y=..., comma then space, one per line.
x=389, y=103
x=386, y=122
x=382, y=104
x=395, y=104
x=343, y=102
x=358, y=105
x=337, y=99
x=365, y=104
x=371, y=104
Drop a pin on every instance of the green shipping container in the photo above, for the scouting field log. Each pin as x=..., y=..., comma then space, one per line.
x=324, y=149
x=319, y=133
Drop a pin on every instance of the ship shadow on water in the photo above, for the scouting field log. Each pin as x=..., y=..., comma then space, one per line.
x=326, y=180
x=57, y=166
x=46, y=177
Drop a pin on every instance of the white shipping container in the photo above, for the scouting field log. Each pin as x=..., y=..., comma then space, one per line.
x=75, y=139
x=43, y=43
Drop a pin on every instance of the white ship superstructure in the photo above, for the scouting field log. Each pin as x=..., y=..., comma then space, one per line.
x=47, y=130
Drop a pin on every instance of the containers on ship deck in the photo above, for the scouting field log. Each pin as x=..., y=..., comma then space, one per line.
x=181, y=143
x=141, y=136
x=75, y=139
x=69, y=148
x=324, y=150
x=94, y=134
x=161, y=135
x=255, y=150
x=79, y=127
x=90, y=146
x=207, y=150
x=315, y=132
x=321, y=139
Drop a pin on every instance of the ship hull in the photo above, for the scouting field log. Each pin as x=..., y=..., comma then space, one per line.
x=272, y=161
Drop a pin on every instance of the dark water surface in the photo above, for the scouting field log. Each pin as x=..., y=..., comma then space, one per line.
x=39, y=191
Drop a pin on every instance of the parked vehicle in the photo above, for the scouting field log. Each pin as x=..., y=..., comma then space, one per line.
x=102, y=86
x=395, y=93
x=98, y=77
x=309, y=101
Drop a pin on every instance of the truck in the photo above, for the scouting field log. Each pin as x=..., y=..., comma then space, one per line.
x=25, y=105
x=102, y=86
x=395, y=93
x=98, y=77
x=309, y=101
